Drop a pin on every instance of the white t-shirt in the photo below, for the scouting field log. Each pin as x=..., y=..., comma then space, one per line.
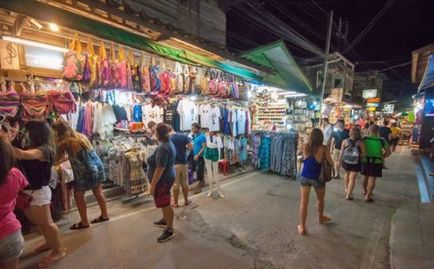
x=155, y=114
x=234, y=121
x=328, y=132
x=214, y=119
x=188, y=113
x=204, y=113
x=241, y=122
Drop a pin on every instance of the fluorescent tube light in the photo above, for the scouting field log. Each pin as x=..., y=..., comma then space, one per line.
x=33, y=43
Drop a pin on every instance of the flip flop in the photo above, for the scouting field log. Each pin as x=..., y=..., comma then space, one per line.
x=78, y=226
x=301, y=231
x=99, y=219
x=175, y=205
x=188, y=203
x=349, y=198
x=369, y=200
x=41, y=249
x=324, y=219
x=50, y=260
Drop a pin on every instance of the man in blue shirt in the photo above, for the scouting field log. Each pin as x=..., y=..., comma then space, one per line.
x=182, y=143
x=198, y=162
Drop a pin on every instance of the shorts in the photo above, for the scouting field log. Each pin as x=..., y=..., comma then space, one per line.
x=307, y=182
x=181, y=178
x=372, y=169
x=352, y=167
x=394, y=141
x=336, y=154
x=11, y=247
x=40, y=197
x=162, y=193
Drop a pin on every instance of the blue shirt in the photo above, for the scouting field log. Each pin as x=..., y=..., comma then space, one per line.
x=164, y=156
x=180, y=141
x=198, y=141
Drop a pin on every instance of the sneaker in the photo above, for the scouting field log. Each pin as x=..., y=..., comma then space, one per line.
x=166, y=236
x=161, y=223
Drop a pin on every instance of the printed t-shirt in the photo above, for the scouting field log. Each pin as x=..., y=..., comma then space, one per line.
x=15, y=181
x=204, y=113
x=155, y=114
x=180, y=141
x=214, y=119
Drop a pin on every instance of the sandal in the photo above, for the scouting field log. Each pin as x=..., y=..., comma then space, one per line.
x=99, y=219
x=188, y=203
x=369, y=200
x=51, y=259
x=349, y=198
x=301, y=230
x=175, y=205
x=324, y=219
x=78, y=226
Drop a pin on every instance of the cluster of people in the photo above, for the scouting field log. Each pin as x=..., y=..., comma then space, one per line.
x=25, y=172
x=350, y=149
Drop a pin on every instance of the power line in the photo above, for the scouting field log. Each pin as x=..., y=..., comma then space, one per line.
x=371, y=24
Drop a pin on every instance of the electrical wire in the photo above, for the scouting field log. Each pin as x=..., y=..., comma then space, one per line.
x=371, y=24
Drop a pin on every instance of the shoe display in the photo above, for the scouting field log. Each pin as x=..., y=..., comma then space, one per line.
x=166, y=235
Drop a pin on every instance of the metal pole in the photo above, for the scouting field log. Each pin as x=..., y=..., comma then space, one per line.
x=326, y=65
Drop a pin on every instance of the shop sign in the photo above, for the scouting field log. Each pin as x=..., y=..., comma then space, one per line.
x=371, y=109
x=371, y=93
x=336, y=95
x=389, y=108
x=372, y=104
x=9, y=56
x=374, y=100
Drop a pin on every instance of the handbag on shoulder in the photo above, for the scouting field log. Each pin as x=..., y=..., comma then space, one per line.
x=325, y=175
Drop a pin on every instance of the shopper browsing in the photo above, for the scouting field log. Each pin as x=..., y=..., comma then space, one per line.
x=351, y=155
x=12, y=181
x=36, y=162
x=395, y=136
x=338, y=137
x=376, y=150
x=198, y=162
x=314, y=154
x=87, y=168
x=327, y=129
x=161, y=174
x=182, y=142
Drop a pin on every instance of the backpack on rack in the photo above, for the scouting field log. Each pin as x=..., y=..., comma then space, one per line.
x=351, y=154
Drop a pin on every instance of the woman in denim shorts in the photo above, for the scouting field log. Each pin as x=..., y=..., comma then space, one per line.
x=12, y=181
x=314, y=153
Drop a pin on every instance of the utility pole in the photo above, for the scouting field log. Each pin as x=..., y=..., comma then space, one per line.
x=326, y=58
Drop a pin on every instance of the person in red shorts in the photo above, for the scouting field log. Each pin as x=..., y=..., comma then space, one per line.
x=161, y=174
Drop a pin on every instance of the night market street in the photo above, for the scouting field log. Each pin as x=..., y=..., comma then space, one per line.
x=254, y=226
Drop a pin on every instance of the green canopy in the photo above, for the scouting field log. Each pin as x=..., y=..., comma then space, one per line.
x=287, y=74
x=83, y=24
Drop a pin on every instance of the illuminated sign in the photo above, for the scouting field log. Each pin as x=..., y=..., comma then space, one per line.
x=372, y=104
x=367, y=94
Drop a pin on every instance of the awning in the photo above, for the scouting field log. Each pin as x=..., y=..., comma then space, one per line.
x=287, y=73
x=428, y=77
x=86, y=25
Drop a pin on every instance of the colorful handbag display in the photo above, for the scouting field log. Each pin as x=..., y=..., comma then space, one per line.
x=144, y=75
x=104, y=67
x=74, y=61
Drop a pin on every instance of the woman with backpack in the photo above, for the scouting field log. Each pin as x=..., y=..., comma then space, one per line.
x=351, y=153
x=314, y=154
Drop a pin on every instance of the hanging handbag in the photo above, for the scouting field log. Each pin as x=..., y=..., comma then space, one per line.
x=325, y=175
x=74, y=61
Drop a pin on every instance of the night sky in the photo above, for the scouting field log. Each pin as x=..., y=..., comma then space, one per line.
x=406, y=25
